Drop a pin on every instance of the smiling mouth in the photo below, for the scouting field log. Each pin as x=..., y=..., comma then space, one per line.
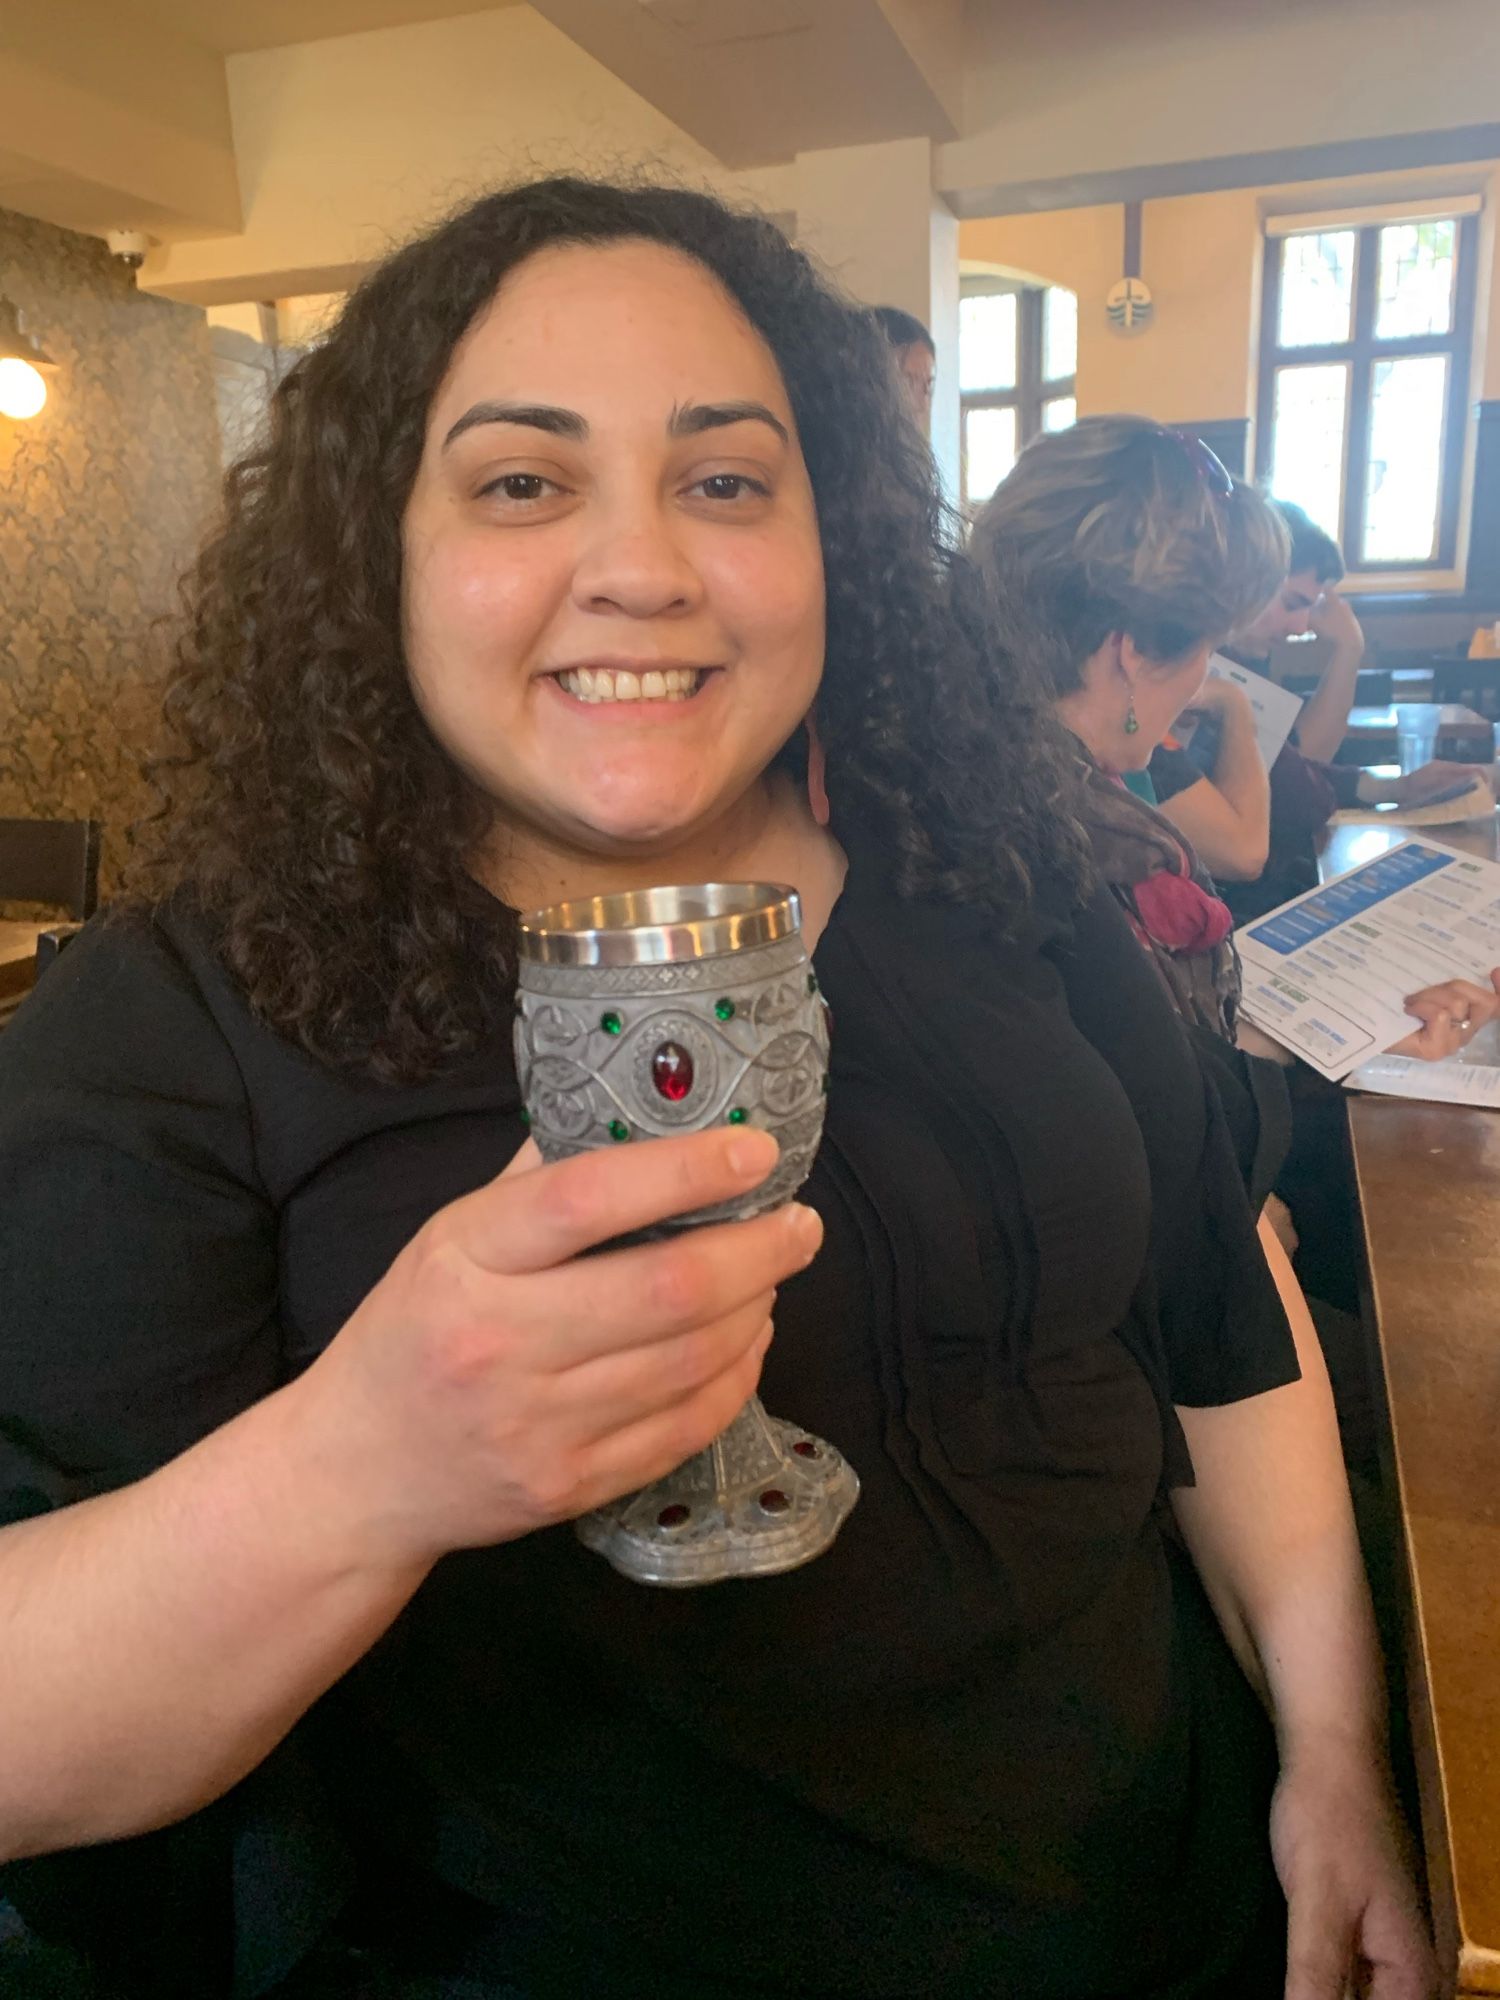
x=609, y=684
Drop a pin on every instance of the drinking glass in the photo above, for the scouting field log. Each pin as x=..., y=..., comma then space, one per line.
x=671, y=1010
x=1416, y=734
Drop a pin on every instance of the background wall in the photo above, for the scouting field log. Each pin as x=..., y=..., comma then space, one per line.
x=103, y=497
x=1201, y=255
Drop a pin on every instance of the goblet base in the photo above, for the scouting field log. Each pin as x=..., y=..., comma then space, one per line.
x=764, y=1497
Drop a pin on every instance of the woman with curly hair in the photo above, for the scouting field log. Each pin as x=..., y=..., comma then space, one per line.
x=592, y=550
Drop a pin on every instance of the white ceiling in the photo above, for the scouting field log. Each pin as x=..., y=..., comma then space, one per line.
x=233, y=26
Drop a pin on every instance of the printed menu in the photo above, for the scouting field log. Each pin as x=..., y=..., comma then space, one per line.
x=1326, y=975
x=1275, y=708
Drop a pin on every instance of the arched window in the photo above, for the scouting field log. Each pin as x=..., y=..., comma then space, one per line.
x=1017, y=370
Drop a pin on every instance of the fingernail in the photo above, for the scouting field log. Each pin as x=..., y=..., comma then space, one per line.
x=807, y=1227
x=752, y=1154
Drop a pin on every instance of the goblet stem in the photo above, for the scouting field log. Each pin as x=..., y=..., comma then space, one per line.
x=765, y=1496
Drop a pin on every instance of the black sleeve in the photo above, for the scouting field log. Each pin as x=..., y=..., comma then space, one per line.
x=138, y=1283
x=1344, y=779
x=137, y=1248
x=1219, y=1320
x=1172, y=771
x=1256, y=1101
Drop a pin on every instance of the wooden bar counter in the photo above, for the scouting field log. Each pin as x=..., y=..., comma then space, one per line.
x=1428, y=1178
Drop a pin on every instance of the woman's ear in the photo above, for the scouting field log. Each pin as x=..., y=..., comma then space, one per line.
x=1130, y=661
x=817, y=772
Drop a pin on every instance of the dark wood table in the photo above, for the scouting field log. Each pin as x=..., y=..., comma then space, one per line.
x=1428, y=1177
x=1462, y=732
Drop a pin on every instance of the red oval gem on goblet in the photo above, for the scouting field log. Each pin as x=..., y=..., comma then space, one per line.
x=672, y=1072
x=673, y=1516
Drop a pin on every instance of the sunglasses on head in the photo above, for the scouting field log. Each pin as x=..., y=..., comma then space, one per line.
x=1210, y=468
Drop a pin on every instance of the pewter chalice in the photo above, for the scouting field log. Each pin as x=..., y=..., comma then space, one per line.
x=670, y=1010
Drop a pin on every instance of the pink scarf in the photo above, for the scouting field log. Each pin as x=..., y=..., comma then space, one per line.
x=1179, y=914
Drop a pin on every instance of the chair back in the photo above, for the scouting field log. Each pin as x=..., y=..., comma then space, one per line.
x=51, y=861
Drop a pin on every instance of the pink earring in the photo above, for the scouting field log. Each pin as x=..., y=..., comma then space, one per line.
x=817, y=772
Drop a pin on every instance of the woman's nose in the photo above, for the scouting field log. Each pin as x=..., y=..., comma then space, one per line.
x=634, y=563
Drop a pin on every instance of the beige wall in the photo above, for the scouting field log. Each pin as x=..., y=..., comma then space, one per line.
x=1201, y=256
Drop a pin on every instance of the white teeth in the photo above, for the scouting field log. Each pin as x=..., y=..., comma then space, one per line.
x=593, y=684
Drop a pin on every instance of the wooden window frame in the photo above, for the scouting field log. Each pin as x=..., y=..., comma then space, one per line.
x=1032, y=389
x=1359, y=354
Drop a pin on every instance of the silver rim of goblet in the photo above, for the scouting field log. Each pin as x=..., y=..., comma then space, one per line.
x=663, y=926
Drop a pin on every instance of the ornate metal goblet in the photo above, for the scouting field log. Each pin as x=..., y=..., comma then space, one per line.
x=670, y=1010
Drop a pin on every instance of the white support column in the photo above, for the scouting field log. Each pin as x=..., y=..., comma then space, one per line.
x=871, y=215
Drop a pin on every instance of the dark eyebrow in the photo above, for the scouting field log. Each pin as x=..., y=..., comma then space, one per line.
x=693, y=418
x=534, y=416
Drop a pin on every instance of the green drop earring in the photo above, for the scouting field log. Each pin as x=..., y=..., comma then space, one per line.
x=1132, y=726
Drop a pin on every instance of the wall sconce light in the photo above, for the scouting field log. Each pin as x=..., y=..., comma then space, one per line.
x=23, y=388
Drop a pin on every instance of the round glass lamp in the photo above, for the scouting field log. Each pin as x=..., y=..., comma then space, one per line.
x=23, y=386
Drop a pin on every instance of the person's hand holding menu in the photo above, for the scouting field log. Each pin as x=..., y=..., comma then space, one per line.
x=1328, y=974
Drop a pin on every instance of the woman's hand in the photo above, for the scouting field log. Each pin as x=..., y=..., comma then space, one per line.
x=498, y=1380
x=1222, y=698
x=1278, y=1218
x=1451, y=1014
x=1415, y=788
x=1333, y=619
x=1353, y=1922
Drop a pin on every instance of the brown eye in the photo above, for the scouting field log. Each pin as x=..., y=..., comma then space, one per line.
x=518, y=486
x=731, y=486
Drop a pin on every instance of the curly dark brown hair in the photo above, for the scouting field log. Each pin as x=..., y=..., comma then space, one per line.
x=307, y=809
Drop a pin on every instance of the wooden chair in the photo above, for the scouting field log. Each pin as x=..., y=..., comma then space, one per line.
x=51, y=861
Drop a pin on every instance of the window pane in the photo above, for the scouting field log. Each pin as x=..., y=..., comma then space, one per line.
x=1416, y=279
x=989, y=450
x=1060, y=414
x=1317, y=288
x=1059, y=334
x=1307, y=443
x=987, y=342
x=1406, y=458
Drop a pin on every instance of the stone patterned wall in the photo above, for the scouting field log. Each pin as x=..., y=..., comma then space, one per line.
x=103, y=498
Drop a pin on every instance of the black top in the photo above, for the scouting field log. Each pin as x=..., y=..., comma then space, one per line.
x=992, y=1742
x=1173, y=769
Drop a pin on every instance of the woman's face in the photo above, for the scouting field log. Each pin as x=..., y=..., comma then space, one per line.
x=612, y=581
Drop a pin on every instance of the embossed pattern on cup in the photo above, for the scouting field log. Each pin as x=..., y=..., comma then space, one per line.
x=752, y=1024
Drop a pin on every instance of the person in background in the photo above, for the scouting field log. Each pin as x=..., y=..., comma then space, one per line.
x=1306, y=787
x=916, y=358
x=1309, y=601
x=1133, y=554
x=1123, y=552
